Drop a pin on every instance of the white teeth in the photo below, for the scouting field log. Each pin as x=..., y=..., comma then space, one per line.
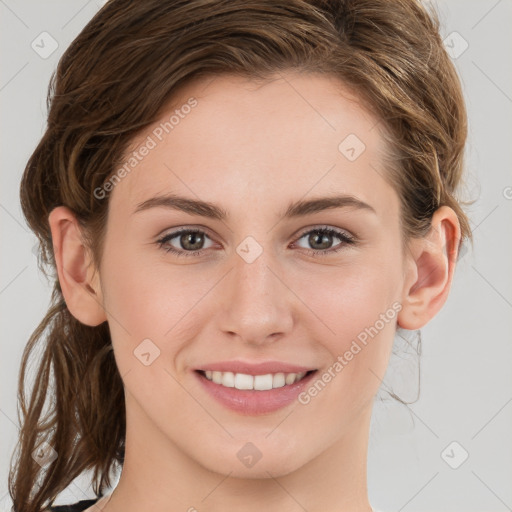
x=278, y=380
x=262, y=382
x=243, y=381
x=228, y=379
x=290, y=378
x=256, y=382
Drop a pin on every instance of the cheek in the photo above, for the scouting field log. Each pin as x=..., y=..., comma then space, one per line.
x=151, y=320
x=357, y=314
x=347, y=299
x=149, y=300
x=169, y=306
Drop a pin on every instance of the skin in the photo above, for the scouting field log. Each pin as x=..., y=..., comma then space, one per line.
x=252, y=149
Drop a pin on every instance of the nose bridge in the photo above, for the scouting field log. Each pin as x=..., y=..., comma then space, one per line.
x=253, y=275
x=258, y=301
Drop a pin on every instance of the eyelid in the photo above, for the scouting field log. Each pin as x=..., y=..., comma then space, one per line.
x=326, y=227
x=183, y=227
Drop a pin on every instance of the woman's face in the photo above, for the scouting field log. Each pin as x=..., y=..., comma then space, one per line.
x=256, y=283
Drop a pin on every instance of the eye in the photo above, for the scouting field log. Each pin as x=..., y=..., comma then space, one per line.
x=321, y=240
x=189, y=242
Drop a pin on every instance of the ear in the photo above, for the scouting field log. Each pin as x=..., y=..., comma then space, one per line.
x=430, y=265
x=78, y=278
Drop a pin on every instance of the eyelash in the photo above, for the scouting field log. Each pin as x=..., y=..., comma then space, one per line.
x=345, y=238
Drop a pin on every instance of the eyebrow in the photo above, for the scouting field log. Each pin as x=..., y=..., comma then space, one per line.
x=212, y=211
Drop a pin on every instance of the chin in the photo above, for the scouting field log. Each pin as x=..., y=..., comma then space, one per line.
x=247, y=461
x=261, y=470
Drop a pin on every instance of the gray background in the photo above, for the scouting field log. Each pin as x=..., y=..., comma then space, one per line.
x=466, y=388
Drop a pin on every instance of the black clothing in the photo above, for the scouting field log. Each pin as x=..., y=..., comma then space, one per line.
x=76, y=507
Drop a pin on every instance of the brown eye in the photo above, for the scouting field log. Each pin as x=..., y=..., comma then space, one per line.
x=189, y=242
x=320, y=240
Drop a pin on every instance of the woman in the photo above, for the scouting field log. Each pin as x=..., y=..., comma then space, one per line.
x=241, y=203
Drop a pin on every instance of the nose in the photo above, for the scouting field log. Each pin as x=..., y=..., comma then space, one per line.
x=256, y=305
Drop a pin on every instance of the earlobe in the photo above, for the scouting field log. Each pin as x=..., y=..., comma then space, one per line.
x=431, y=267
x=78, y=278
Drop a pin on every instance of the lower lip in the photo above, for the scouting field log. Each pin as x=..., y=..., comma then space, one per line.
x=253, y=402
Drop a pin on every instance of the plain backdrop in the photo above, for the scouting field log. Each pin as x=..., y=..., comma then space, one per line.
x=451, y=450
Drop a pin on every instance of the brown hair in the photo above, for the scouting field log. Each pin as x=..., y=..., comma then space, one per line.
x=113, y=81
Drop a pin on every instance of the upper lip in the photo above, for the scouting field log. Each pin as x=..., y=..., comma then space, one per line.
x=255, y=368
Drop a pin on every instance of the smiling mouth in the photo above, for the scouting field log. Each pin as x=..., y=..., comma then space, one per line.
x=243, y=381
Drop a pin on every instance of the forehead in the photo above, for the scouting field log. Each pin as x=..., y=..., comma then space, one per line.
x=233, y=140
